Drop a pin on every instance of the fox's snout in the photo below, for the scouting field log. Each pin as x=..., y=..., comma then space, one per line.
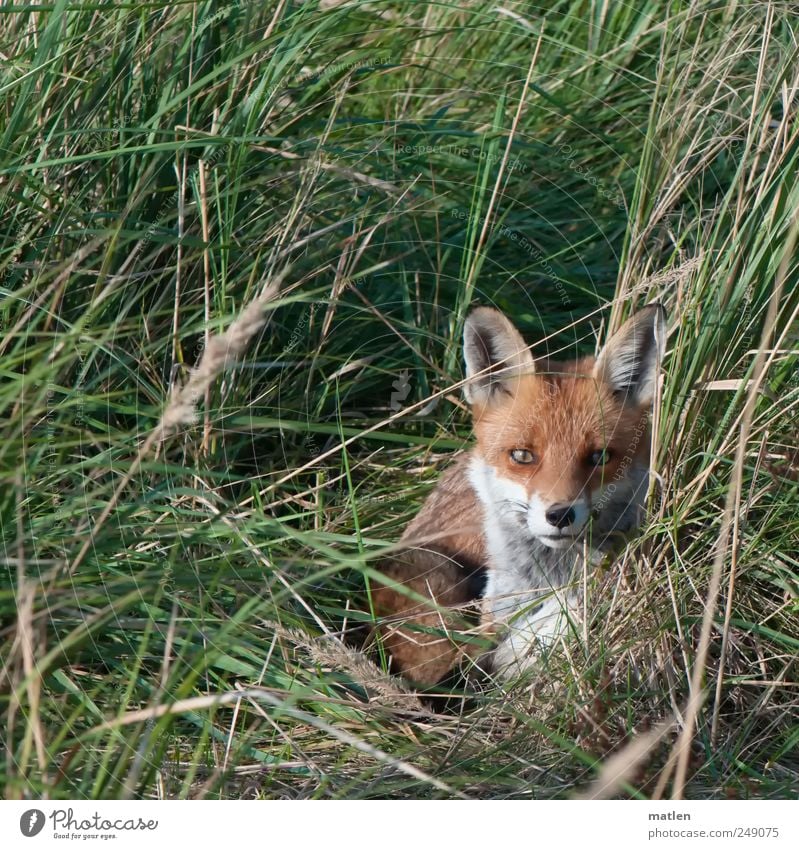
x=557, y=523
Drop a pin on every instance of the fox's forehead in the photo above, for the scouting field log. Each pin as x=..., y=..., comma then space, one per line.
x=563, y=405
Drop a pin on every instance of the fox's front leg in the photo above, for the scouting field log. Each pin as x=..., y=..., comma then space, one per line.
x=425, y=624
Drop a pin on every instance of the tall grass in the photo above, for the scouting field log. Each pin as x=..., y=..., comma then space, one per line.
x=173, y=606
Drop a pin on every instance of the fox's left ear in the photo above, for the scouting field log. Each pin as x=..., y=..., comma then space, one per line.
x=630, y=361
x=495, y=353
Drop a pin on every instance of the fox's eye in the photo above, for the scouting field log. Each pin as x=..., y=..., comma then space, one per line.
x=522, y=455
x=600, y=457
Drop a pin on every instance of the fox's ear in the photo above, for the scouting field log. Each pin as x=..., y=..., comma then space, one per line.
x=630, y=361
x=495, y=355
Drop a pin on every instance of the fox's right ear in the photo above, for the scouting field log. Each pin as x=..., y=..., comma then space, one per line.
x=630, y=360
x=495, y=355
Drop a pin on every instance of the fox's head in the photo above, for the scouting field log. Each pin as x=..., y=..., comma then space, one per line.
x=558, y=443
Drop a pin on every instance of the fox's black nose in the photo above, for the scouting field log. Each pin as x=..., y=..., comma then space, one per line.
x=560, y=515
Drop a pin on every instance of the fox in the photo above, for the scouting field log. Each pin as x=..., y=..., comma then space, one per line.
x=557, y=476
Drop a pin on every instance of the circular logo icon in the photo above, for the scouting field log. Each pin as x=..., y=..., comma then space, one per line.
x=31, y=822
